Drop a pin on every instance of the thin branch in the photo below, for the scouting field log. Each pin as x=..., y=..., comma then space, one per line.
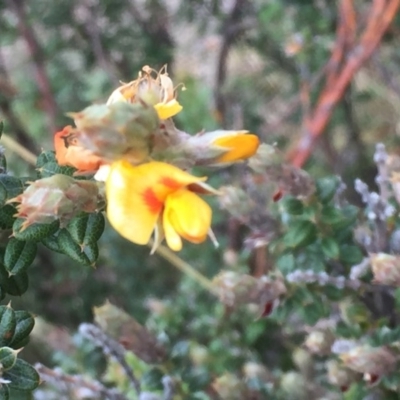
x=186, y=268
x=38, y=59
x=232, y=28
x=380, y=17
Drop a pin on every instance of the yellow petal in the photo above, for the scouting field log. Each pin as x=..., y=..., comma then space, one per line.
x=168, y=110
x=186, y=215
x=128, y=211
x=136, y=196
x=239, y=147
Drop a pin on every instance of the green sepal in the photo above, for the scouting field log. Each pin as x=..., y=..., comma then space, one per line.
x=8, y=324
x=7, y=218
x=301, y=233
x=10, y=187
x=35, y=232
x=22, y=376
x=8, y=357
x=72, y=249
x=24, y=325
x=19, y=255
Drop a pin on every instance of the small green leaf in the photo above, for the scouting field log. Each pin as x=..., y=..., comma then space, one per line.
x=19, y=256
x=351, y=255
x=72, y=249
x=35, y=232
x=24, y=325
x=10, y=187
x=86, y=228
x=330, y=248
x=52, y=168
x=326, y=188
x=7, y=325
x=300, y=234
x=44, y=158
x=331, y=215
x=8, y=357
x=1, y=128
x=292, y=205
x=51, y=242
x=22, y=376
x=18, y=284
x=7, y=218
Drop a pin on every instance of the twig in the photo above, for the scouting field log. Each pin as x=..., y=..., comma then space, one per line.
x=17, y=148
x=351, y=60
x=185, y=267
x=38, y=60
x=111, y=348
x=232, y=28
x=70, y=383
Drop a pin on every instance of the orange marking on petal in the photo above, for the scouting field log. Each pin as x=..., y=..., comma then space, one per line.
x=170, y=183
x=153, y=203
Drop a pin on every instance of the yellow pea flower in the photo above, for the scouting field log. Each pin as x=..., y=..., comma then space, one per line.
x=141, y=198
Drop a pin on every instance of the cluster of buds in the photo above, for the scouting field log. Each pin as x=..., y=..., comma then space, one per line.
x=132, y=144
x=235, y=289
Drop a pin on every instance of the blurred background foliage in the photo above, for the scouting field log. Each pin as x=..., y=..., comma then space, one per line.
x=244, y=64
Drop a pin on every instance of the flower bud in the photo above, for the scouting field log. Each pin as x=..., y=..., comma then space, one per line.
x=369, y=360
x=118, y=131
x=228, y=386
x=320, y=342
x=237, y=289
x=57, y=197
x=340, y=376
x=294, y=385
x=386, y=269
x=223, y=147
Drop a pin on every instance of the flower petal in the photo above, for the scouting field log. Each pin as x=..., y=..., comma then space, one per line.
x=136, y=196
x=73, y=154
x=239, y=147
x=168, y=110
x=186, y=215
x=129, y=211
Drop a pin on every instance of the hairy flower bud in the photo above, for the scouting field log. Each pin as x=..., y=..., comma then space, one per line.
x=57, y=197
x=117, y=131
x=237, y=289
x=376, y=361
x=386, y=269
x=320, y=342
x=340, y=376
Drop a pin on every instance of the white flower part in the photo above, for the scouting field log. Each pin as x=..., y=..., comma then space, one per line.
x=102, y=173
x=115, y=97
x=340, y=346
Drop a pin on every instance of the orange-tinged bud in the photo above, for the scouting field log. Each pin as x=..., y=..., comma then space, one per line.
x=70, y=152
x=57, y=197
